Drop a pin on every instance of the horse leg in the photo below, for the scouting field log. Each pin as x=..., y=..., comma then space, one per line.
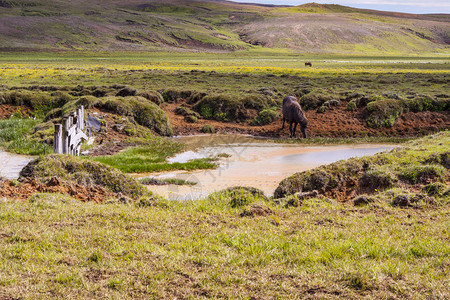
x=295, y=127
x=282, y=127
x=290, y=128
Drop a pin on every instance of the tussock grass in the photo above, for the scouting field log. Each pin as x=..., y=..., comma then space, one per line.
x=13, y=137
x=205, y=249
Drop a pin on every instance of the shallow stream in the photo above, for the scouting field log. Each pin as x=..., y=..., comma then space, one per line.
x=11, y=164
x=251, y=162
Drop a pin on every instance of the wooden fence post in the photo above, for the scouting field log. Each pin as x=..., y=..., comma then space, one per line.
x=57, y=142
x=69, y=135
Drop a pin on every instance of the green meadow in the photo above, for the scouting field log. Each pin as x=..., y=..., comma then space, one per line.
x=233, y=244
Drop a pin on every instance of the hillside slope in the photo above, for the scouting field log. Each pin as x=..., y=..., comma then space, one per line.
x=214, y=26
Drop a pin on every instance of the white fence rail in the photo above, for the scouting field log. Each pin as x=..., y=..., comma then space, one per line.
x=69, y=135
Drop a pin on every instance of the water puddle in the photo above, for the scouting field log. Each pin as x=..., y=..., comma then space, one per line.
x=250, y=162
x=11, y=164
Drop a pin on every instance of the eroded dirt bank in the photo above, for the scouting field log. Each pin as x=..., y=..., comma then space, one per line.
x=335, y=122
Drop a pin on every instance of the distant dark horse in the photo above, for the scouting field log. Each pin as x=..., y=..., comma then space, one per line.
x=308, y=64
x=293, y=113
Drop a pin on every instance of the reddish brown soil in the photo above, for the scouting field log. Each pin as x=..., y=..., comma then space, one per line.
x=6, y=111
x=335, y=122
x=109, y=141
x=23, y=190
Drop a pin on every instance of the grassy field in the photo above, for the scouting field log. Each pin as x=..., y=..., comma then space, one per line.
x=230, y=244
x=233, y=73
x=238, y=243
x=53, y=247
x=46, y=81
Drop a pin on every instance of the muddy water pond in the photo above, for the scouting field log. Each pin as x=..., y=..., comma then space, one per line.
x=247, y=161
x=11, y=164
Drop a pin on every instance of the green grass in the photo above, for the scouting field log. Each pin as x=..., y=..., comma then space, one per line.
x=205, y=249
x=236, y=73
x=151, y=158
x=13, y=137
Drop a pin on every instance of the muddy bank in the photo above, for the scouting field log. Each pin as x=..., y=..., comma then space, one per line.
x=337, y=121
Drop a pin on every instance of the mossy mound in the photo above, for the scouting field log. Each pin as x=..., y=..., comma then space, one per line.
x=150, y=115
x=238, y=196
x=266, y=116
x=153, y=96
x=172, y=95
x=75, y=170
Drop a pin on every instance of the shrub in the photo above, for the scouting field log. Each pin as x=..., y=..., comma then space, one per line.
x=266, y=116
x=351, y=106
x=418, y=104
x=173, y=95
x=222, y=108
x=313, y=100
x=208, y=128
x=383, y=113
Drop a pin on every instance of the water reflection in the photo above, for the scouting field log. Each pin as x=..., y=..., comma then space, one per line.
x=256, y=163
x=11, y=164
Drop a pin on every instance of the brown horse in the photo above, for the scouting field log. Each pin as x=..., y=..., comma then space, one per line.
x=308, y=64
x=293, y=113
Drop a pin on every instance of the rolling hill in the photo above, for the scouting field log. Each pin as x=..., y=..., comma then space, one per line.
x=143, y=25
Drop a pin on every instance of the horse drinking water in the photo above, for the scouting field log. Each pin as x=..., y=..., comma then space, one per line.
x=293, y=113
